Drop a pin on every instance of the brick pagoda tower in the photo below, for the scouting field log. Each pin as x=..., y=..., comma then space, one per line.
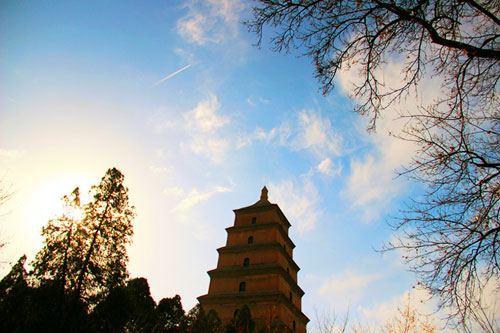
x=256, y=268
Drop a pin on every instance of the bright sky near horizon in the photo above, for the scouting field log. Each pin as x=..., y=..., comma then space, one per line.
x=175, y=95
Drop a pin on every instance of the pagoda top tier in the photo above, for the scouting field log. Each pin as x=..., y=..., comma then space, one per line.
x=263, y=199
x=264, y=205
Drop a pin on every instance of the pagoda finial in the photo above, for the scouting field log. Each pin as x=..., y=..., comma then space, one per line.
x=263, y=194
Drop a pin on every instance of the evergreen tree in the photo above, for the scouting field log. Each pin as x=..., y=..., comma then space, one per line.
x=127, y=308
x=200, y=322
x=85, y=249
x=170, y=315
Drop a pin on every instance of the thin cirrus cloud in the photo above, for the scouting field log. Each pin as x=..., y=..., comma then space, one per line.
x=172, y=74
x=202, y=125
x=316, y=133
x=195, y=196
x=203, y=117
x=327, y=167
x=211, y=21
x=299, y=200
x=346, y=287
x=372, y=184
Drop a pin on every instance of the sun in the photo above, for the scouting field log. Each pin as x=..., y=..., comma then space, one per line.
x=46, y=201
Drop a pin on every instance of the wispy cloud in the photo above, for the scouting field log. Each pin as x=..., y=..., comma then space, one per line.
x=277, y=135
x=172, y=74
x=317, y=134
x=300, y=202
x=346, y=287
x=160, y=169
x=372, y=184
x=418, y=299
x=202, y=124
x=212, y=21
x=327, y=167
x=174, y=191
x=195, y=196
x=162, y=121
x=204, y=118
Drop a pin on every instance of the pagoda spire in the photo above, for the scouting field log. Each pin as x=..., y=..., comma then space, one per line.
x=263, y=194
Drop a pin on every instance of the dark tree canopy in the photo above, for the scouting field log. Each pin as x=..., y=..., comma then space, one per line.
x=200, y=322
x=126, y=308
x=451, y=234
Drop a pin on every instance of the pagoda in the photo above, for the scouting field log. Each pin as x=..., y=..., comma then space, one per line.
x=256, y=268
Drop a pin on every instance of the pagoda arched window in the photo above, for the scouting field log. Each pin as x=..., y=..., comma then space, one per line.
x=250, y=240
x=246, y=262
x=243, y=286
x=254, y=220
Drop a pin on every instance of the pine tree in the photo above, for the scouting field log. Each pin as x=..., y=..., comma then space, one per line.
x=85, y=249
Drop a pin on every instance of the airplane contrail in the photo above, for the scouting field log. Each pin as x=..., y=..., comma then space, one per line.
x=170, y=75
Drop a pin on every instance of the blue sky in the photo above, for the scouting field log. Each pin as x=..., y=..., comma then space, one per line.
x=82, y=91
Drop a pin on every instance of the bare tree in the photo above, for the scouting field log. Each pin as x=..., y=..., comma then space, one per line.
x=5, y=195
x=451, y=234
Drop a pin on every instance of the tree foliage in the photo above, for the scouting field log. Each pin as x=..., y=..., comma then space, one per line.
x=451, y=234
x=24, y=308
x=85, y=248
x=199, y=321
x=126, y=308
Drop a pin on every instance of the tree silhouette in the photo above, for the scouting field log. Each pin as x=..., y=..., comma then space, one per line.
x=85, y=249
x=126, y=308
x=450, y=235
x=200, y=322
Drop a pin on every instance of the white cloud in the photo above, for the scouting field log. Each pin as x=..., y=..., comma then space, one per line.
x=347, y=287
x=195, y=196
x=213, y=148
x=258, y=134
x=203, y=117
x=418, y=300
x=192, y=28
x=261, y=134
x=174, y=191
x=316, y=133
x=372, y=184
x=160, y=169
x=300, y=203
x=327, y=167
x=310, y=132
x=202, y=124
x=212, y=21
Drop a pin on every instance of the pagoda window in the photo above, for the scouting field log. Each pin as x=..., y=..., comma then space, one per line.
x=246, y=262
x=290, y=295
x=243, y=286
x=250, y=240
x=293, y=325
x=288, y=270
x=254, y=220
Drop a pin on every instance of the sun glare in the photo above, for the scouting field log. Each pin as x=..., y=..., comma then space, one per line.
x=46, y=201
